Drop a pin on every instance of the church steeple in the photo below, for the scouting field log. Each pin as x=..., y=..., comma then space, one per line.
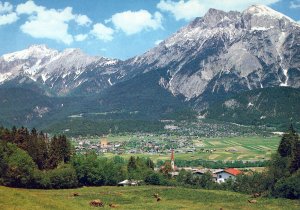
x=172, y=160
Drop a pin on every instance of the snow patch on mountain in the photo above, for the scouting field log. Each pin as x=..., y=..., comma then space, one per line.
x=262, y=11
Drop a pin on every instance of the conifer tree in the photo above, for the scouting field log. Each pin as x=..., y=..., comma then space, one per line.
x=150, y=163
x=295, y=161
x=287, y=143
x=132, y=165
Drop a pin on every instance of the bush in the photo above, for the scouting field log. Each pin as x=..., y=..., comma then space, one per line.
x=63, y=177
x=41, y=179
x=289, y=187
x=19, y=167
x=153, y=179
x=89, y=169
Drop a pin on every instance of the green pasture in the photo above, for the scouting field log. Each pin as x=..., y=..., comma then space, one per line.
x=135, y=198
x=236, y=148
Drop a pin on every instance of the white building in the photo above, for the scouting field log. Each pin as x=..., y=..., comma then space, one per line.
x=229, y=173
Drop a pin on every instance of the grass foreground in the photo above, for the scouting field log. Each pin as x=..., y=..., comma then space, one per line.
x=135, y=198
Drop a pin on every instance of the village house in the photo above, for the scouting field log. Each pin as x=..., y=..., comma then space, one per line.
x=229, y=173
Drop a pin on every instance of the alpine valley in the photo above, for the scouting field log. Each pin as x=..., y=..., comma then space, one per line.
x=228, y=66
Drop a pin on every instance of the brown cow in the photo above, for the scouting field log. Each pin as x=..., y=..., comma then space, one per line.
x=75, y=194
x=97, y=203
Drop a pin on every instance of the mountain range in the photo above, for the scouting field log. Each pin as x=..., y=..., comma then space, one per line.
x=215, y=60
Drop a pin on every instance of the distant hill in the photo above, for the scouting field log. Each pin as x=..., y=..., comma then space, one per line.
x=267, y=106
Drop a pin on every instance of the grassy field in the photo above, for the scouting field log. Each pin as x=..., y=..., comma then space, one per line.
x=135, y=198
x=236, y=148
x=240, y=148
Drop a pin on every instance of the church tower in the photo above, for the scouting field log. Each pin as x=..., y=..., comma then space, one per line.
x=172, y=160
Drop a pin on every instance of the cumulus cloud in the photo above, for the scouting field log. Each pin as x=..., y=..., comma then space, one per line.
x=102, y=32
x=5, y=7
x=83, y=20
x=189, y=9
x=7, y=16
x=295, y=4
x=50, y=23
x=80, y=37
x=132, y=22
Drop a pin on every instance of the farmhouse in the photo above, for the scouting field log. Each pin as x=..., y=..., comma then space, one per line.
x=229, y=173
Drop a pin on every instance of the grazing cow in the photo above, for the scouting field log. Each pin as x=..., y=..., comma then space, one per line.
x=252, y=201
x=97, y=203
x=75, y=194
x=158, y=199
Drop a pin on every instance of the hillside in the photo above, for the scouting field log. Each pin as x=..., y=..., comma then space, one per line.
x=136, y=198
x=268, y=106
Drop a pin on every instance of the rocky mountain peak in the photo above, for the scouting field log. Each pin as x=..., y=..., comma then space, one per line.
x=262, y=10
x=33, y=52
x=216, y=17
x=38, y=47
x=224, y=52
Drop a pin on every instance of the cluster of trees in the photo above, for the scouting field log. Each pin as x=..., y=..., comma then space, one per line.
x=46, y=153
x=217, y=164
x=32, y=160
x=97, y=171
x=284, y=171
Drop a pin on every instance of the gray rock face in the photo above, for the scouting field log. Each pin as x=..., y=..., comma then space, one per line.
x=228, y=52
x=59, y=72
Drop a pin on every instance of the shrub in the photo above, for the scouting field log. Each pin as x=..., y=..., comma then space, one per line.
x=289, y=187
x=63, y=177
x=153, y=179
x=19, y=167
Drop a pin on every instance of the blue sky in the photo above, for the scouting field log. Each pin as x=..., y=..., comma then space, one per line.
x=111, y=28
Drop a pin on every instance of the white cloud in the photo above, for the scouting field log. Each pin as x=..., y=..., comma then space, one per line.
x=157, y=42
x=102, y=32
x=5, y=7
x=81, y=37
x=189, y=9
x=83, y=20
x=50, y=23
x=7, y=16
x=295, y=4
x=132, y=22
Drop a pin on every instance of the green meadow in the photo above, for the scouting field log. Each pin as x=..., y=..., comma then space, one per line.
x=136, y=198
